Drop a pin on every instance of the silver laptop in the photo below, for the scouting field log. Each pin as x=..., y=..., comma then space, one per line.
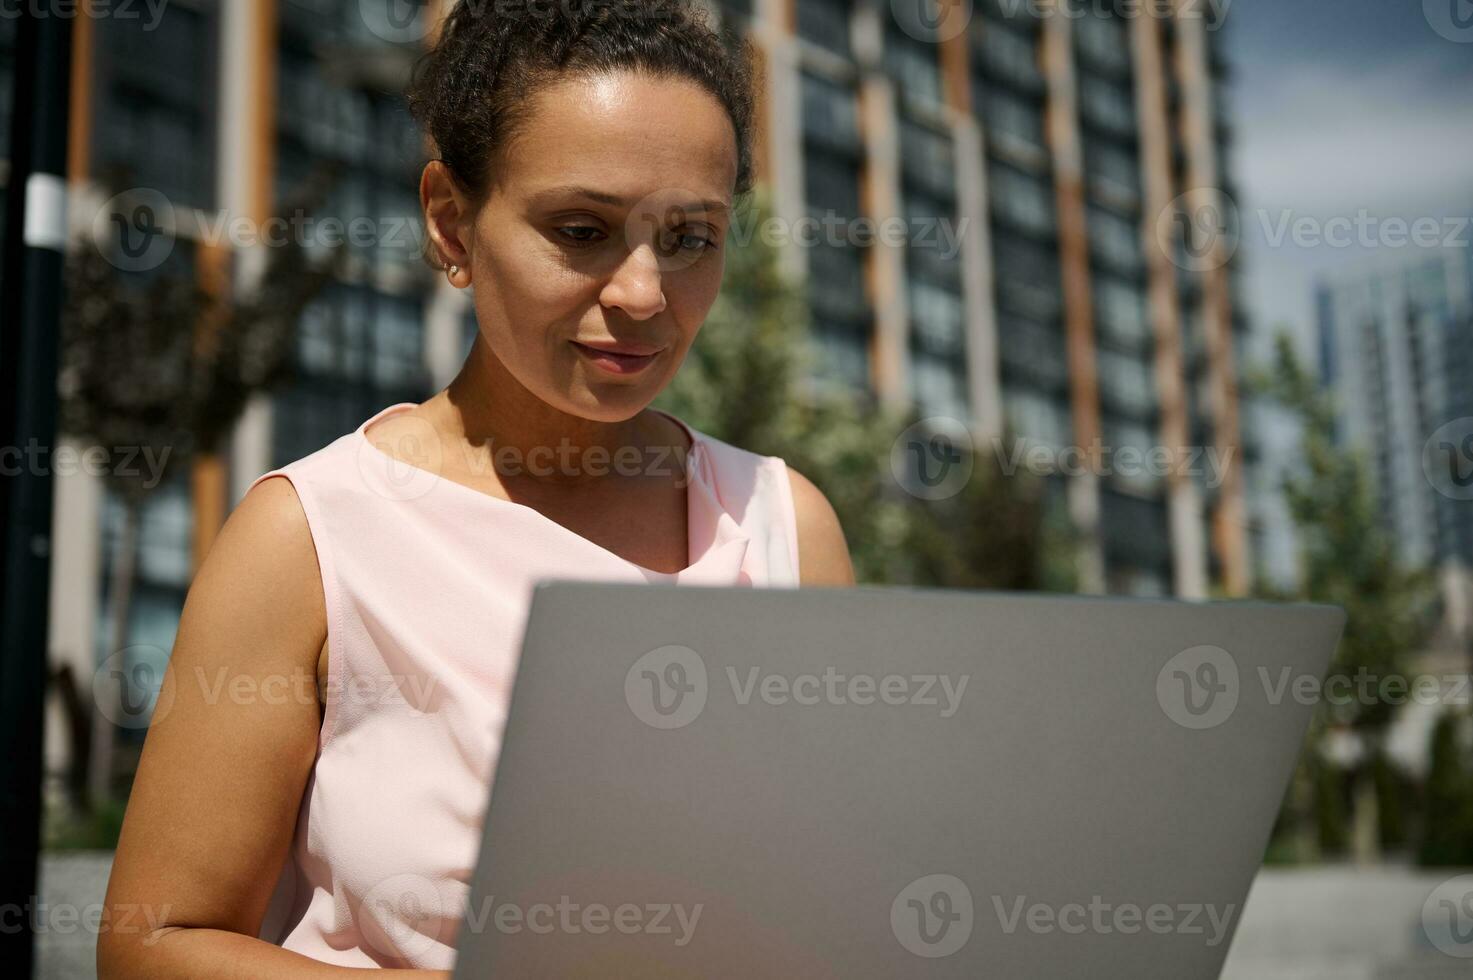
x=885, y=782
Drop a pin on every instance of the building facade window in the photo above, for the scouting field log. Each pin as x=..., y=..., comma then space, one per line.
x=833, y=156
x=1027, y=277
x=1114, y=241
x=361, y=342
x=1022, y=199
x=1032, y=353
x=1007, y=49
x=1126, y=382
x=156, y=108
x=1121, y=312
x=1106, y=104
x=826, y=24
x=830, y=113
x=1014, y=123
x=1038, y=417
x=1113, y=172
x=1103, y=39
x=913, y=66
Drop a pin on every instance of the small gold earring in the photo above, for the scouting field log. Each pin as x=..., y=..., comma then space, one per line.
x=450, y=273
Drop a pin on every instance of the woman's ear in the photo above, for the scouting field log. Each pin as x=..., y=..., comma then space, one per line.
x=448, y=215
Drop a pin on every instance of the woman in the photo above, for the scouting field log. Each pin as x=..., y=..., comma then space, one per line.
x=588, y=158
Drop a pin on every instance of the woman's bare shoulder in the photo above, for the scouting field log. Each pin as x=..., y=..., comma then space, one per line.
x=823, y=553
x=262, y=569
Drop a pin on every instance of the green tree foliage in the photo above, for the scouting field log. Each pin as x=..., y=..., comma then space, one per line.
x=1448, y=835
x=1347, y=558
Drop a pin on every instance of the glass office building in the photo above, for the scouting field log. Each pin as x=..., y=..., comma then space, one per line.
x=1059, y=146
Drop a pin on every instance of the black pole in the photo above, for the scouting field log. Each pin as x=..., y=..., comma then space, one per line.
x=30, y=310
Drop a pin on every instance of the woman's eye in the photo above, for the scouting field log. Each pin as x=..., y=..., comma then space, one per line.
x=581, y=234
x=688, y=242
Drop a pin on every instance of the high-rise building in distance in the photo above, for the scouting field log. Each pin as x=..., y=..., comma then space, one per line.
x=1396, y=352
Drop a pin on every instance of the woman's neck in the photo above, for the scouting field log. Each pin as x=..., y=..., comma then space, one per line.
x=500, y=423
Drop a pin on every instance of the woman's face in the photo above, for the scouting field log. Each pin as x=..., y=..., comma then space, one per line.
x=604, y=226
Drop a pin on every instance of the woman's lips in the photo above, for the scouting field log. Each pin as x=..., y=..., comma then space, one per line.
x=619, y=359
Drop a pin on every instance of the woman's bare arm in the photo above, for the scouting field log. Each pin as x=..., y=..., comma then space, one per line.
x=214, y=804
x=823, y=554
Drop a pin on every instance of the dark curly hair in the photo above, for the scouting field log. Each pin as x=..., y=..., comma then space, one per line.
x=472, y=88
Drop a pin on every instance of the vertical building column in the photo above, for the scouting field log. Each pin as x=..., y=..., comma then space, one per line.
x=1066, y=146
x=984, y=379
x=76, y=521
x=779, y=136
x=1229, y=521
x=880, y=199
x=1183, y=498
x=246, y=187
x=79, y=112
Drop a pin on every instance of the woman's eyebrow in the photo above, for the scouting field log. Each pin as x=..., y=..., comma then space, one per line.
x=615, y=200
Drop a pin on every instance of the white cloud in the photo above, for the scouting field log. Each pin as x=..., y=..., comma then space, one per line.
x=1334, y=138
x=1394, y=140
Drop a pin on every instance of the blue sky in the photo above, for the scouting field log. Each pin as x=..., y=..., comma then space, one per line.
x=1343, y=107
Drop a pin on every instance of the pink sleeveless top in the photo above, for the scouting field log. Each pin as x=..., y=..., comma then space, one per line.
x=427, y=584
